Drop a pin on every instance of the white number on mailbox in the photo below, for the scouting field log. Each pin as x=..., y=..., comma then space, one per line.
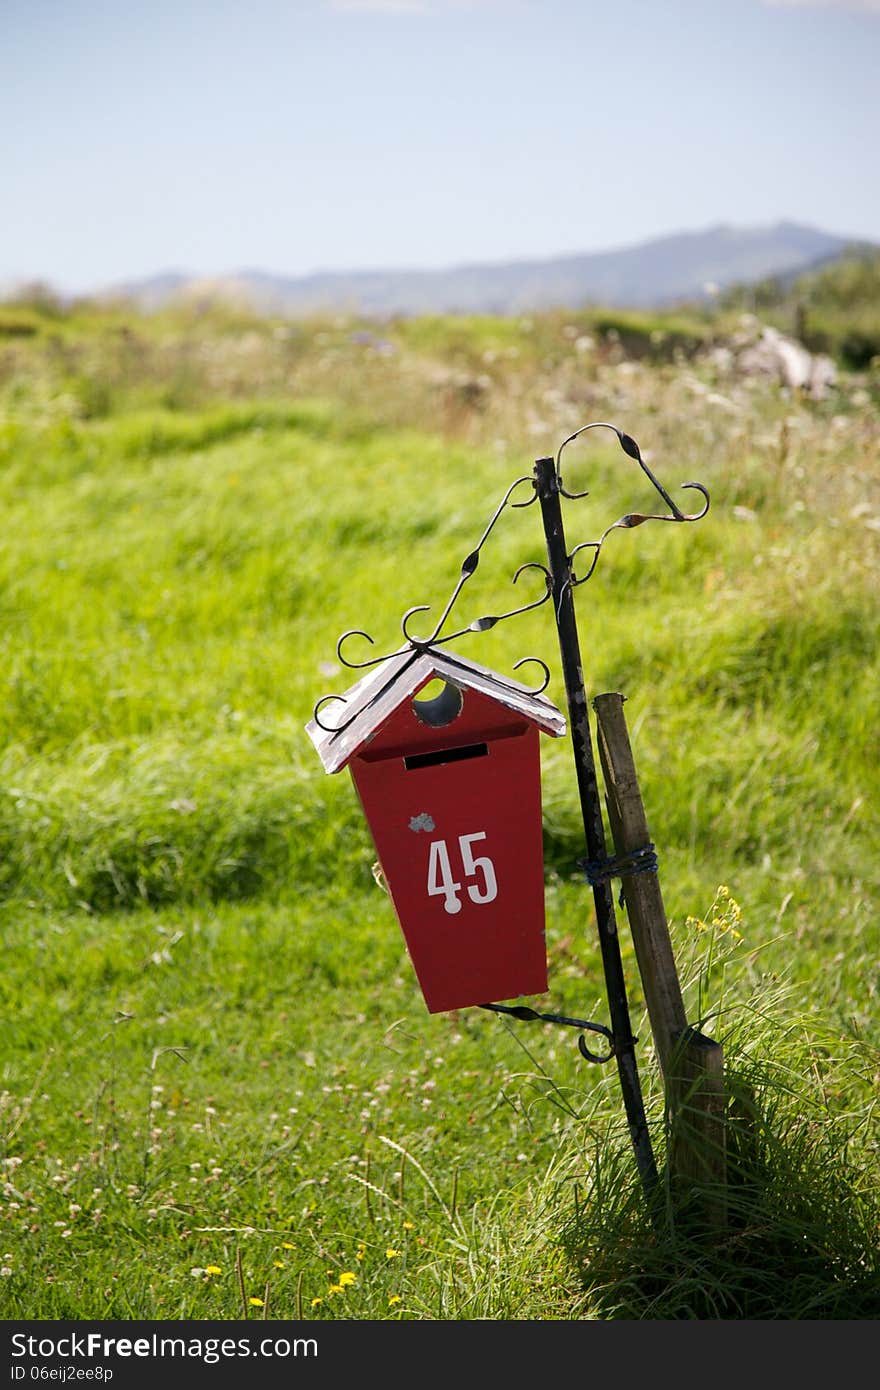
x=441, y=882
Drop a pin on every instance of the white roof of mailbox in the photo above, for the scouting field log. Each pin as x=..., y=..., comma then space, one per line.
x=375, y=697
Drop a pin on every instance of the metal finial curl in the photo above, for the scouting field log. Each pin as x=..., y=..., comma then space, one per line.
x=632, y=450
x=535, y=660
x=629, y=519
x=325, y=700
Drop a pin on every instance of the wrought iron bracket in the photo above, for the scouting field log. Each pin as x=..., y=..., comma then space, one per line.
x=522, y=1011
x=437, y=637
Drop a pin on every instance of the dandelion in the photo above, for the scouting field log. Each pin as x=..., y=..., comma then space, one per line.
x=286, y=1245
x=391, y=1253
x=5, y=1271
x=346, y=1278
x=393, y=1298
x=336, y=1288
x=408, y=1225
x=278, y=1264
x=213, y=1269
x=316, y=1302
x=255, y=1302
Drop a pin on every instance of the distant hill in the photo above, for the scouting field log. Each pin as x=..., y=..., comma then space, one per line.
x=681, y=267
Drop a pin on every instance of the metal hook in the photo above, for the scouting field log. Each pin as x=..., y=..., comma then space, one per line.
x=415, y=641
x=356, y=665
x=585, y=545
x=523, y=1011
x=489, y=621
x=526, y=660
x=328, y=728
x=594, y=1056
x=632, y=450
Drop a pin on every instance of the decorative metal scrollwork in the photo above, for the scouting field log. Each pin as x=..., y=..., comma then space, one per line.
x=439, y=637
x=629, y=519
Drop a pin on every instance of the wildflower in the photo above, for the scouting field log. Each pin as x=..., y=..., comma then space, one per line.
x=408, y=1225
x=213, y=1269
x=346, y=1278
x=391, y=1253
x=315, y=1302
x=336, y=1288
x=360, y=1252
x=255, y=1302
x=286, y=1245
x=5, y=1271
x=393, y=1298
x=278, y=1264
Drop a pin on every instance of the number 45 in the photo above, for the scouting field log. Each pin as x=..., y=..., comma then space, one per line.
x=442, y=883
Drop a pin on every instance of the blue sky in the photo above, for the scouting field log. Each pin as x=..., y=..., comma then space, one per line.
x=211, y=136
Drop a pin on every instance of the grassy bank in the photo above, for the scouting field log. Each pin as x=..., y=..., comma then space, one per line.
x=222, y=1095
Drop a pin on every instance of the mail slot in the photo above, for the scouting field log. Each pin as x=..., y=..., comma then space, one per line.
x=445, y=758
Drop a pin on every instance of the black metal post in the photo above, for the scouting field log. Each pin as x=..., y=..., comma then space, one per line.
x=547, y=486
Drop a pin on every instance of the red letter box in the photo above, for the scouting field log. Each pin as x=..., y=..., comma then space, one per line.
x=451, y=790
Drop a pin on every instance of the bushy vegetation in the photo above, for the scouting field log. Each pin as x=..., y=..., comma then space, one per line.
x=222, y=1094
x=834, y=309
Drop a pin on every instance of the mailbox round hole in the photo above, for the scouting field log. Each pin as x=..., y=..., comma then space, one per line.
x=438, y=703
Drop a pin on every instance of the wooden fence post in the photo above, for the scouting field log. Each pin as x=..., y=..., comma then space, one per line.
x=691, y=1063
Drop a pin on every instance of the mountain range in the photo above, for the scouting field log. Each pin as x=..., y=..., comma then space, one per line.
x=684, y=266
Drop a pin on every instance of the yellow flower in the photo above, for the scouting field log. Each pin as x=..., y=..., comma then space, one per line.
x=337, y=1288
x=279, y=1264
x=256, y=1302
x=213, y=1269
x=391, y=1254
x=286, y=1245
x=360, y=1252
x=347, y=1278
x=393, y=1298
x=316, y=1301
x=408, y=1225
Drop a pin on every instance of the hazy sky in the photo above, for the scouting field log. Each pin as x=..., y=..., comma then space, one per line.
x=216, y=135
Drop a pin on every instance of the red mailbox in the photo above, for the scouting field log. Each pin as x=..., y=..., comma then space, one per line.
x=450, y=786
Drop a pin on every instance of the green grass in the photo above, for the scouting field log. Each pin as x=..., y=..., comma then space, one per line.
x=215, y=1053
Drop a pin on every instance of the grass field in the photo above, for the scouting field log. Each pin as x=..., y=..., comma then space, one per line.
x=222, y=1095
